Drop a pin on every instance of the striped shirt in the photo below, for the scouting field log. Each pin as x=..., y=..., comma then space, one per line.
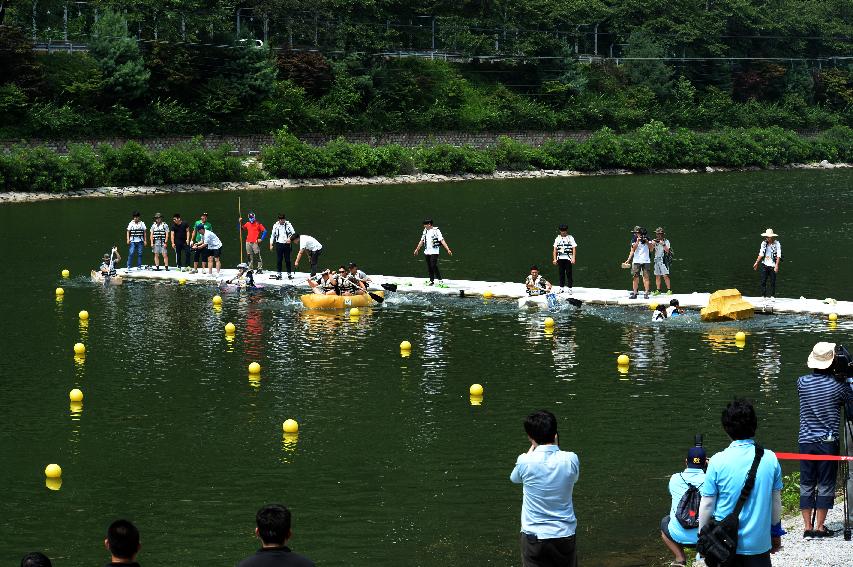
x=821, y=397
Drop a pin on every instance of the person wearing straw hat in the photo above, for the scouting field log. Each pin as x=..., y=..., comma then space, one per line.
x=821, y=398
x=769, y=255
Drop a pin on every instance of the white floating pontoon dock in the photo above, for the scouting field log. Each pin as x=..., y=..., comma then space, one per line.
x=507, y=290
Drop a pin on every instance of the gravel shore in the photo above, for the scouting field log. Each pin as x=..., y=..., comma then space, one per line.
x=798, y=552
x=140, y=191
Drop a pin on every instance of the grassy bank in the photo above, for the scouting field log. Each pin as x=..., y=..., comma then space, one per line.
x=652, y=146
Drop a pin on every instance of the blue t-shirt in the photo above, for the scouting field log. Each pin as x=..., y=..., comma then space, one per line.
x=548, y=475
x=677, y=488
x=725, y=477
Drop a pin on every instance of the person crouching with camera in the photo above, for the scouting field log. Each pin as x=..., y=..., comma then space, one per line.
x=822, y=394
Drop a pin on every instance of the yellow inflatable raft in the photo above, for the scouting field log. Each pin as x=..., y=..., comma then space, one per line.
x=317, y=301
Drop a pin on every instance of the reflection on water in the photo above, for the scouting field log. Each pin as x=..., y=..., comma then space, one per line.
x=768, y=361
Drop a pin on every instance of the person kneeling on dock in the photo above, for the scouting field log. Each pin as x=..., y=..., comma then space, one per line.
x=211, y=246
x=681, y=526
x=536, y=284
x=323, y=283
x=349, y=284
x=244, y=278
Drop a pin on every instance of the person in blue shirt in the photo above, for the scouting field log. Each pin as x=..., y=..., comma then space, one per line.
x=760, y=521
x=674, y=535
x=548, y=522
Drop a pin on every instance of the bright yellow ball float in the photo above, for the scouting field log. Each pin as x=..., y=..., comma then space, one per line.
x=488, y=294
x=76, y=395
x=623, y=360
x=66, y=273
x=354, y=312
x=833, y=316
x=182, y=281
x=549, y=322
x=84, y=315
x=230, y=328
x=217, y=300
x=254, y=368
x=476, y=390
x=53, y=471
x=60, y=292
x=740, y=336
x=405, y=345
x=79, y=348
x=290, y=426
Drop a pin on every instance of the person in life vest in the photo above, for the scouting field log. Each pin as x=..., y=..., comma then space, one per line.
x=431, y=241
x=770, y=255
x=159, y=233
x=674, y=309
x=135, y=240
x=108, y=267
x=323, y=283
x=674, y=535
x=349, y=284
x=359, y=275
x=244, y=277
x=255, y=233
x=564, y=255
x=639, y=253
x=535, y=283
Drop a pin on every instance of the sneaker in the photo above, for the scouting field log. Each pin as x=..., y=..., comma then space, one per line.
x=632, y=296
x=275, y=277
x=194, y=271
x=290, y=276
x=824, y=532
x=167, y=268
x=646, y=295
x=441, y=283
x=669, y=292
x=259, y=271
x=429, y=283
x=808, y=534
x=656, y=292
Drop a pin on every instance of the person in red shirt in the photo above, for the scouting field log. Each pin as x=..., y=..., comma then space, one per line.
x=255, y=233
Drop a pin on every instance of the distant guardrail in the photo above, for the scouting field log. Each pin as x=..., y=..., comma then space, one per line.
x=60, y=46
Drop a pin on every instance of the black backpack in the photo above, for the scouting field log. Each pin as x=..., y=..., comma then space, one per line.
x=687, y=512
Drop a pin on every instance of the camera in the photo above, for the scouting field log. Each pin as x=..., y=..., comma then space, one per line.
x=842, y=366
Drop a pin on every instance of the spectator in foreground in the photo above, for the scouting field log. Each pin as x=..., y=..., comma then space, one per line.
x=760, y=520
x=273, y=529
x=548, y=522
x=123, y=543
x=35, y=559
x=675, y=535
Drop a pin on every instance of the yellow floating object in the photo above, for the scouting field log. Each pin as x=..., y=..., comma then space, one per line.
x=217, y=300
x=53, y=483
x=354, y=312
x=405, y=345
x=476, y=390
x=84, y=315
x=317, y=301
x=653, y=306
x=623, y=360
x=740, y=336
x=66, y=273
x=476, y=400
x=833, y=316
x=549, y=322
x=254, y=368
x=230, y=328
x=75, y=395
x=79, y=348
x=60, y=291
x=290, y=426
x=727, y=305
x=622, y=369
x=488, y=294
x=182, y=281
x=53, y=471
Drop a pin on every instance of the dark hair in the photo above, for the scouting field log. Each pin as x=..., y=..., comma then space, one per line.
x=661, y=308
x=280, y=215
x=427, y=221
x=352, y=265
x=273, y=522
x=295, y=236
x=739, y=419
x=176, y=215
x=564, y=227
x=534, y=267
x=541, y=426
x=35, y=559
x=136, y=214
x=123, y=539
x=673, y=302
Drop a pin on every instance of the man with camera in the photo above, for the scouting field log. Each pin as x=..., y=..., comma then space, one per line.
x=640, y=253
x=822, y=394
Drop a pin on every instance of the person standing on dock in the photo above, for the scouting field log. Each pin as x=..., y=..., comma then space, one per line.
x=563, y=256
x=640, y=254
x=282, y=234
x=255, y=233
x=159, y=234
x=212, y=247
x=432, y=240
x=180, y=241
x=663, y=252
x=200, y=252
x=135, y=240
x=769, y=255
x=548, y=522
x=312, y=245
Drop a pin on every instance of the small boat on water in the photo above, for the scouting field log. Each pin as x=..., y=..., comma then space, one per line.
x=317, y=301
x=233, y=288
x=98, y=277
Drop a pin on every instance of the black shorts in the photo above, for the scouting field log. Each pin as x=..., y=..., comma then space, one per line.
x=214, y=253
x=200, y=255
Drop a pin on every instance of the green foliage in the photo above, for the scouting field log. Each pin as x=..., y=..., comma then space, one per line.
x=791, y=493
x=656, y=75
x=124, y=74
x=446, y=159
x=18, y=64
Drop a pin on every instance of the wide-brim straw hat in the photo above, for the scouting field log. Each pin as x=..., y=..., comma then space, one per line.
x=769, y=233
x=822, y=356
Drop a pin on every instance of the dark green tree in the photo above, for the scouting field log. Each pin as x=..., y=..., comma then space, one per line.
x=125, y=77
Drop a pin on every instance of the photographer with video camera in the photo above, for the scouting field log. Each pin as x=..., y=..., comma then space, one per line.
x=640, y=253
x=822, y=395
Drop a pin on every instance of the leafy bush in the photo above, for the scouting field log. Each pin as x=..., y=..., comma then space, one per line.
x=446, y=159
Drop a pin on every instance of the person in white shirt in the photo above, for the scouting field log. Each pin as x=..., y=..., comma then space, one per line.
x=135, y=240
x=312, y=245
x=211, y=243
x=359, y=275
x=535, y=283
x=640, y=253
x=564, y=255
x=674, y=309
x=431, y=241
x=770, y=254
x=281, y=237
x=662, y=251
x=159, y=233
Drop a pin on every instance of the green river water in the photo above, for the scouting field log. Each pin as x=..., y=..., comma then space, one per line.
x=393, y=465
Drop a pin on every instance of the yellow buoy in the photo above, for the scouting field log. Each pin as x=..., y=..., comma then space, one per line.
x=75, y=395
x=254, y=368
x=740, y=336
x=488, y=294
x=60, y=291
x=84, y=315
x=53, y=471
x=230, y=328
x=549, y=322
x=623, y=360
x=476, y=390
x=182, y=281
x=653, y=306
x=405, y=345
x=66, y=273
x=79, y=348
x=217, y=300
x=833, y=316
x=354, y=312
x=290, y=426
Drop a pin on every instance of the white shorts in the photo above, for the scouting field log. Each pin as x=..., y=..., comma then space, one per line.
x=660, y=268
x=159, y=249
